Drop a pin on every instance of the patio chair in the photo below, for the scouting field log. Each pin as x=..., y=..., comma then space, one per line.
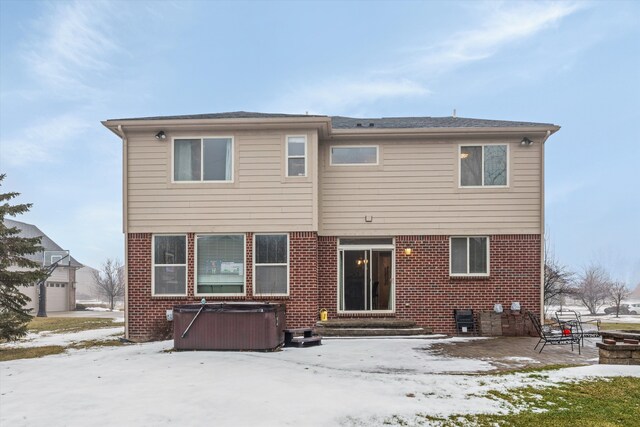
x=582, y=328
x=553, y=334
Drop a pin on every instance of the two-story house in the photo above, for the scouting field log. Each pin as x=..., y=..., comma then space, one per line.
x=405, y=217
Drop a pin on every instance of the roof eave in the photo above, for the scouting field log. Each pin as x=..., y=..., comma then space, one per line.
x=323, y=124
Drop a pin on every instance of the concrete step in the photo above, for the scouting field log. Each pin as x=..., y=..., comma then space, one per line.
x=374, y=332
x=376, y=323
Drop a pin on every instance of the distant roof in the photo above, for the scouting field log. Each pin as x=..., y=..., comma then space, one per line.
x=340, y=122
x=30, y=230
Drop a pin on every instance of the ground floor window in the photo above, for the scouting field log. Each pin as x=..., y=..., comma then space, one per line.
x=220, y=265
x=169, y=265
x=271, y=262
x=469, y=256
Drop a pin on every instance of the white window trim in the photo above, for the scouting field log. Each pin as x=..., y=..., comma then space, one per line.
x=482, y=166
x=185, y=265
x=253, y=278
x=377, y=147
x=452, y=274
x=195, y=266
x=202, y=180
x=287, y=156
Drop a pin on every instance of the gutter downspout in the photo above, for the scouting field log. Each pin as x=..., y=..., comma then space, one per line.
x=542, y=228
x=125, y=198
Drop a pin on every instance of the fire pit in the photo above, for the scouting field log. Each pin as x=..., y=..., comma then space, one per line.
x=620, y=347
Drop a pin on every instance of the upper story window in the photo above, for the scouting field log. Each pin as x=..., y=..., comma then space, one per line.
x=469, y=256
x=296, y=156
x=203, y=159
x=356, y=155
x=483, y=165
x=169, y=265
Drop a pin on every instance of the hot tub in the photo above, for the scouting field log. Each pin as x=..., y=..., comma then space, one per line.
x=229, y=326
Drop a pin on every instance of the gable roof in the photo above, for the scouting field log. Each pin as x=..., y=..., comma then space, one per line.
x=30, y=230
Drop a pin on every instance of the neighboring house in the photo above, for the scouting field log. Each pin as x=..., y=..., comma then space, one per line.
x=408, y=217
x=61, y=292
x=86, y=284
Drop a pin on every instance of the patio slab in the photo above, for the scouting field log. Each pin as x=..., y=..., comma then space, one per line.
x=507, y=353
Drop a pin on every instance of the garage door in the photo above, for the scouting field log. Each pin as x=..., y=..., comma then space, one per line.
x=56, y=296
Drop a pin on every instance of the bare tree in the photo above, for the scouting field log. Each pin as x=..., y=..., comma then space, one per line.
x=617, y=293
x=593, y=288
x=110, y=281
x=558, y=279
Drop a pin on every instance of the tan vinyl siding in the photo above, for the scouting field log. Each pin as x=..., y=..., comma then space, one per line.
x=414, y=190
x=261, y=198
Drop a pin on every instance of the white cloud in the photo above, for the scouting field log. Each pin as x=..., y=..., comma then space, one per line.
x=337, y=95
x=42, y=142
x=505, y=25
x=71, y=46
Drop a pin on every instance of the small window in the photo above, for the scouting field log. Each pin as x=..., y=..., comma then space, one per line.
x=483, y=165
x=204, y=159
x=271, y=264
x=296, y=156
x=364, y=155
x=469, y=256
x=170, y=265
x=220, y=266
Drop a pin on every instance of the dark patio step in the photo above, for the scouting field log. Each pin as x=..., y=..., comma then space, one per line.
x=300, y=337
x=304, y=342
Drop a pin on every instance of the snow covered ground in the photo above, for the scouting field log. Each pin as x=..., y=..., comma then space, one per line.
x=608, y=318
x=48, y=338
x=353, y=382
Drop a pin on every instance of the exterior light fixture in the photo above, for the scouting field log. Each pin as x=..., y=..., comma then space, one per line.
x=161, y=136
x=526, y=141
x=408, y=251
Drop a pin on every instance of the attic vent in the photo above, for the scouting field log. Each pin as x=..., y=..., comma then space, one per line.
x=371, y=125
x=359, y=125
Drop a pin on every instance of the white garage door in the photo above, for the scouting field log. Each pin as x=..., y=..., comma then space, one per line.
x=57, y=296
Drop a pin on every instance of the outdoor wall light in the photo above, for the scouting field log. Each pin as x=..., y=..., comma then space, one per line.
x=526, y=141
x=408, y=251
x=161, y=136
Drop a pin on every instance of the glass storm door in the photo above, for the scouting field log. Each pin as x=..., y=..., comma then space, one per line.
x=365, y=279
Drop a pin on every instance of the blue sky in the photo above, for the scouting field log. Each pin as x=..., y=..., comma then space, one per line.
x=64, y=66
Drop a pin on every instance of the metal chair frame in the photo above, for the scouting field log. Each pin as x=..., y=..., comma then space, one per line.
x=553, y=335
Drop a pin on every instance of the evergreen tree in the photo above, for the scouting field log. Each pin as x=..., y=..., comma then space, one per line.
x=13, y=317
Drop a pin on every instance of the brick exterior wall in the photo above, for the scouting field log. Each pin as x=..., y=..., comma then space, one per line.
x=147, y=314
x=424, y=291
